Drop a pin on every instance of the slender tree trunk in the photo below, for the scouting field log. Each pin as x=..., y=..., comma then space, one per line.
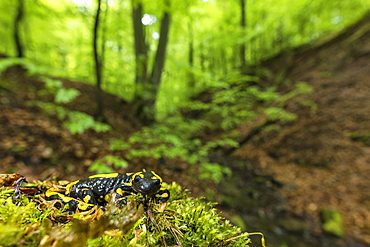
x=155, y=79
x=99, y=97
x=141, y=48
x=141, y=62
x=262, y=50
x=202, y=58
x=17, y=20
x=161, y=51
x=280, y=36
x=104, y=30
x=223, y=61
x=191, y=82
x=242, y=46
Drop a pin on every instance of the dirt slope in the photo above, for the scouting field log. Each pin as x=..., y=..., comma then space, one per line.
x=323, y=159
x=34, y=144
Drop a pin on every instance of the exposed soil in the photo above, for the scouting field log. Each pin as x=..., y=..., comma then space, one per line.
x=323, y=158
x=34, y=144
x=282, y=179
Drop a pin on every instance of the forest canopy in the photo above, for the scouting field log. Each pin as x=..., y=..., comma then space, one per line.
x=207, y=39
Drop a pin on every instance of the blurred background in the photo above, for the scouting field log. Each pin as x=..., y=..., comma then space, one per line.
x=261, y=106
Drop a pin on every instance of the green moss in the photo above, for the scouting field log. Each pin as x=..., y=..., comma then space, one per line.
x=16, y=216
x=185, y=220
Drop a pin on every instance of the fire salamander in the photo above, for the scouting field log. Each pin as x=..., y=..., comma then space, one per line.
x=93, y=192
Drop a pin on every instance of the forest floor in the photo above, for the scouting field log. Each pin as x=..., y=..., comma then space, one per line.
x=323, y=158
x=282, y=179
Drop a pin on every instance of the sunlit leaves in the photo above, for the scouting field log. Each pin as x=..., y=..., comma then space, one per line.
x=65, y=95
x=6, y=63
x=275, y=113
x=52, y=85
x=78, y=122
x=58, y=35
x=118, y=144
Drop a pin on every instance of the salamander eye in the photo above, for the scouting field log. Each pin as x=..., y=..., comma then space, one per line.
x=157, y=182
x=137, y=178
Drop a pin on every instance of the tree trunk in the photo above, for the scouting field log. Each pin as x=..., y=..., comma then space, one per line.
x=17, y=20
x=202, y=58
x=191, y=82
x=99, y=112
x=161, y=51
x=141, y=48
x=141, y=62
x=155, y=79
x=242, y=46
x=147, y=88
x=103, y=41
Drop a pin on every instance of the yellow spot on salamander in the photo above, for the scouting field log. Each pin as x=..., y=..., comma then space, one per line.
x=165, y=195
x=156, y=176
x=133, y=177
x=107, y=198
x=87, y=198
x=83, y=206
x=109, y=175
x=69, y=186
x=119, y=191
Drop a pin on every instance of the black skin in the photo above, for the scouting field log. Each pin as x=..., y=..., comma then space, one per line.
x=94, y=191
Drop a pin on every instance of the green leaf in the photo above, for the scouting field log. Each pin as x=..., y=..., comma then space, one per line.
x=117, y=161
x=65, y=95
x=100, y=167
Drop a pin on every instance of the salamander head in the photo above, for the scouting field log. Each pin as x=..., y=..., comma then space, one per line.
x=146, y=183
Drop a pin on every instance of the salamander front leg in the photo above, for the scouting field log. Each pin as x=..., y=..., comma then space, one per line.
x=164, y=195
x=121, y=196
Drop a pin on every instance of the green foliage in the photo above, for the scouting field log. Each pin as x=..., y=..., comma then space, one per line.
x=275, y=113
x=104, y=165
x=6, y=63
x=174, y=141
x=58, y=35
x=231, y=104
x=61, y=95
x=333, y=222
x=31, y=67
x=118, y=144
x=78, y=122
x=51, y=85
x=361, y=137
x=65, y=95
x=51, y=109
x=234, y=102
